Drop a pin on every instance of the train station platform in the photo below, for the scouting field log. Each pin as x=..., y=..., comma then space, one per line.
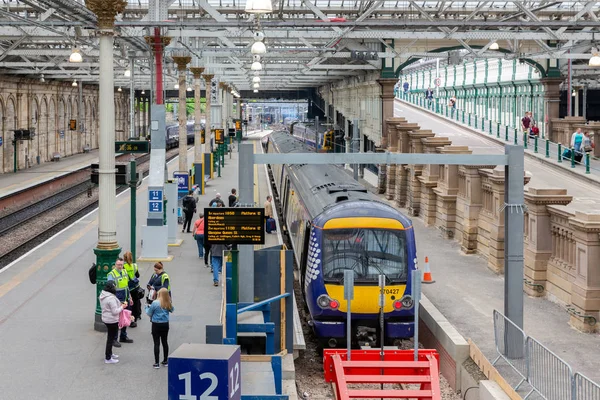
x=467, y=292
x=50, y=349
x=25, y=178
x=544, y=174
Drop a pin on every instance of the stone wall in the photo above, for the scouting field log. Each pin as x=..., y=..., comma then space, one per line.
x=563, y=128
x=48, y=107
x=562, y=249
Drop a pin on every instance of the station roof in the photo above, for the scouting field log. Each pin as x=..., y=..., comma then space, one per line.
x=309, y=42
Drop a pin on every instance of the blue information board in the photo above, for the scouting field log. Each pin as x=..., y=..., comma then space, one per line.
x=205, y=372
x=155, y=201
x=183, y=181
x=0, y=140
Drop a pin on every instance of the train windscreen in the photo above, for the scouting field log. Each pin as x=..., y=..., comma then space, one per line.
x=369, y=252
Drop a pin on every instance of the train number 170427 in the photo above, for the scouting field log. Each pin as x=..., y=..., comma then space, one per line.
x=390, y=291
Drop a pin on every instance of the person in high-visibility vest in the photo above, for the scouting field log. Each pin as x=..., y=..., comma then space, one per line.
x=121, y=278
x=134, y=287
x=158, y=280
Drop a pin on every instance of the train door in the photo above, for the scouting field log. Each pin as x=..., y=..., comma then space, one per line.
x=303, y=261
x=285, y=197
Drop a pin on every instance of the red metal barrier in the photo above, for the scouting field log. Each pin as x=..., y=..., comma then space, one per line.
x=397, y=367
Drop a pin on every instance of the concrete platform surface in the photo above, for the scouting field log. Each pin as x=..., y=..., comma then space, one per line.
x=50, y=349
x=13, y=182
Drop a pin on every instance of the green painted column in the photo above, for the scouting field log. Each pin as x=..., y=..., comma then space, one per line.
x=105, y=262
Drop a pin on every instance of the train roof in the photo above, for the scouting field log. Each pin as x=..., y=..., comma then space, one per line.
x=328, y=188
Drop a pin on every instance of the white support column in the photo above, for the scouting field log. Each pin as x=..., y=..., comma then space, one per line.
x=208, y=83
x=198, y=146
x=182, y=62
x=107, y=226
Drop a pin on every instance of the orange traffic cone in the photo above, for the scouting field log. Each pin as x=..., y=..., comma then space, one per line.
x=427, y=272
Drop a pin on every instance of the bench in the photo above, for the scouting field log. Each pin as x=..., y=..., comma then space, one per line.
x=86, y=149
x=55, y=156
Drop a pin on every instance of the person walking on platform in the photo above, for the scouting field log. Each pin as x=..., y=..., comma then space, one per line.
x=429, y=95
x=217, y=200
x=189, y=208
x=233, y=198
x=217, y=260
x=121, y=279
x=159, y=279
x=111, y=309
x=199, y=234
x=268, y=215
x=134, y=287
x=158, y=312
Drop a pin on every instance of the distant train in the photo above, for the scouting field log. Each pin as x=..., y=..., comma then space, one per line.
x=336, y=224
x=307, y=135
x=173, y=134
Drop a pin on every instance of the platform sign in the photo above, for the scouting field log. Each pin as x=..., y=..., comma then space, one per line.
x=0, y=140
x=238, y=125
x=132, y=146
x=183, y=181
x=155, y=201
x=61, y=134
x=234, y=225
x=73, y=124
x=219, y=136
x=205, y=372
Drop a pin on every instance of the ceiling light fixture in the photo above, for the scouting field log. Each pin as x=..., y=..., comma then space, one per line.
x=42, y=79
x=189, y=89
x=258, y=6
x=255, y=90
x=595, y=60
x=75, y=56
x=258, y=48
x=143, y=91
x=127, y=73
x=256, y=79
x=256, y=66
x=176, y=86
x=494, y=46
x=256, y=85
x=74, y=84
x=119, y=89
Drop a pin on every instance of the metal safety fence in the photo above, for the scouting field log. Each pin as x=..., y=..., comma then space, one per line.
x=507, y=133
x=547, y=374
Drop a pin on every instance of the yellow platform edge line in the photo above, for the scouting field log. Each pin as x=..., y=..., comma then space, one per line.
x=144, y=259
x=176, y=244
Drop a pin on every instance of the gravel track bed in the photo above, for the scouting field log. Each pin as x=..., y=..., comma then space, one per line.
x=19, y=240
x=33, y=210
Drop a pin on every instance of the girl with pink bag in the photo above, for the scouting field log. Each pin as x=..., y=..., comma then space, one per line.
x=112, y=309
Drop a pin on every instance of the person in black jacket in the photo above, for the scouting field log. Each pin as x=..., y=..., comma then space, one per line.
x=233, y=198
x=189, y=208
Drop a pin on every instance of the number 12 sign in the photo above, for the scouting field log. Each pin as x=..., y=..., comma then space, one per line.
x=205, y=372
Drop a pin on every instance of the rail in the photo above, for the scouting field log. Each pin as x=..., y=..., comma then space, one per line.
x=506, y=133
x=546, y=373
x=261, y=304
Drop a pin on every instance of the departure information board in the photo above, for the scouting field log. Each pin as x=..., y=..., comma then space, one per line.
x=234, y=225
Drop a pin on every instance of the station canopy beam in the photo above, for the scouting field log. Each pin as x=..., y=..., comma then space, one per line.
x=304, y=38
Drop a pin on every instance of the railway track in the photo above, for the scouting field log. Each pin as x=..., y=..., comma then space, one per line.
x=24, y=229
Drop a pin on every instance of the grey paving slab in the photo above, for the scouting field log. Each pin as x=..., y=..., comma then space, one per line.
x=12, y=182
x=50, y=349
x=467, y=292
x=542, y=175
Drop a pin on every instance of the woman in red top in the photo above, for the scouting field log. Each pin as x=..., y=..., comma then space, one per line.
x=199, y=234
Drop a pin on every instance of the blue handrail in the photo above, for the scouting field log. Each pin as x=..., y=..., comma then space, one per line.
x=262, y=303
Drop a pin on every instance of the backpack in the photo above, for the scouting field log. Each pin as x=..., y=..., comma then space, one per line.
x=92, y=274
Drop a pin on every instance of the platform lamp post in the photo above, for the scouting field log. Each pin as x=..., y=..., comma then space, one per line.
x=107, y=249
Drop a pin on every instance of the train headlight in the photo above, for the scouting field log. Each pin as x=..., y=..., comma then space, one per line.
x=323, y=301
x=407, y=302
x=334, y=304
